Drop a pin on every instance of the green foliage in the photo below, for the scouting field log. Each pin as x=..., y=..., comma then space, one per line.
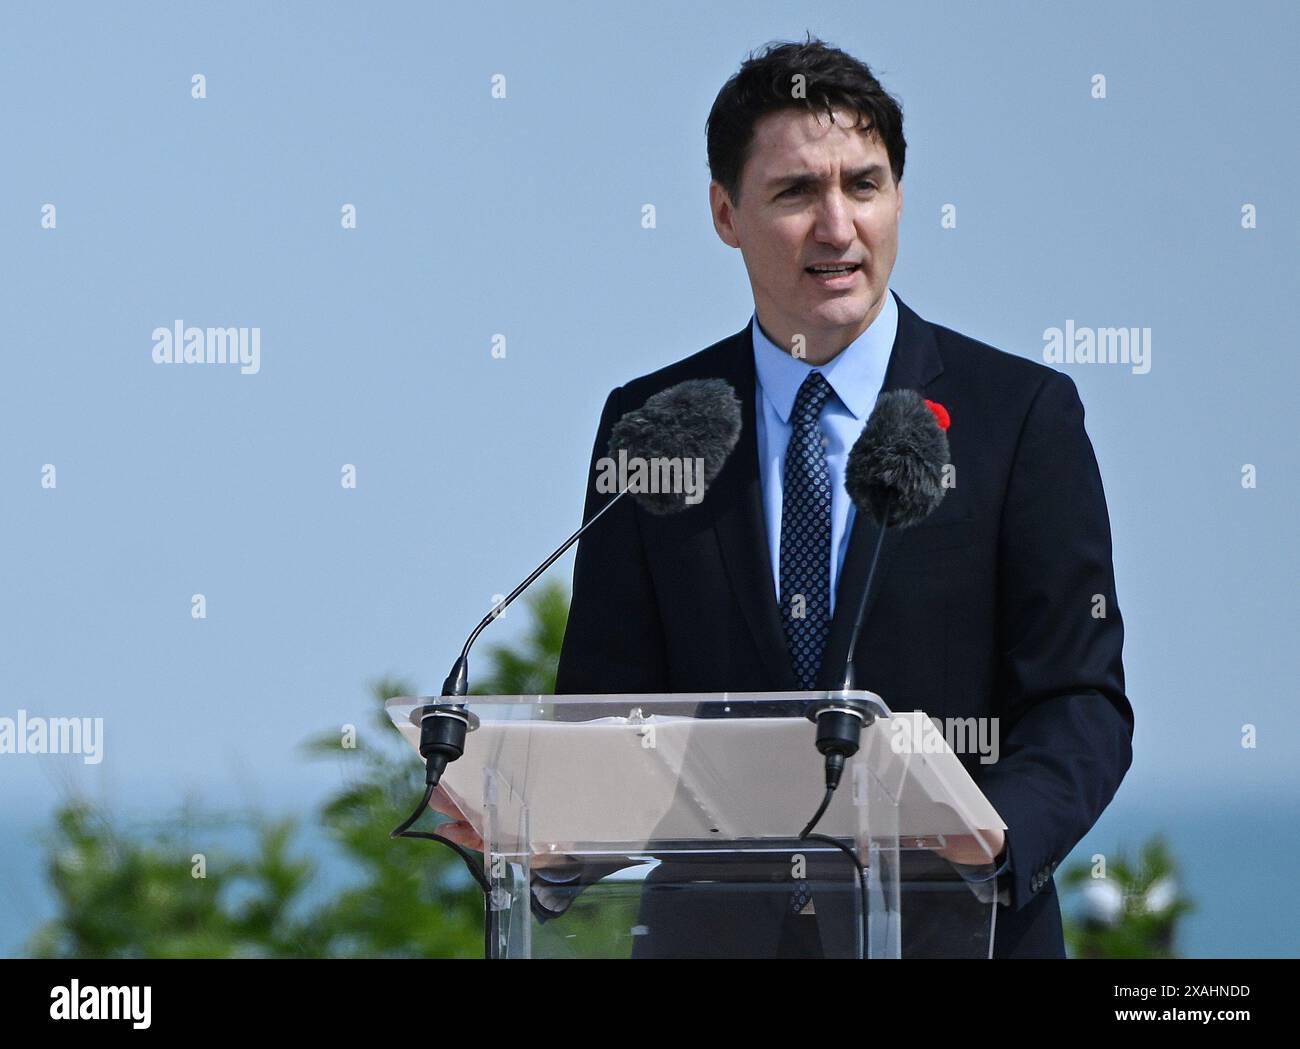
x=126, y=891
x=1125, y=910
x=135, y=895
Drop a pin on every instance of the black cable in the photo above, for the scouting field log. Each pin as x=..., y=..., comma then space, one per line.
x=862, y=885
x=475, y=868
x=419, y=811
x=489, y=925
x=830, y=791
x=472, y=864
x=807, y=835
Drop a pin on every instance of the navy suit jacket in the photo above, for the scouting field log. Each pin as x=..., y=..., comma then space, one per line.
x=987, y=609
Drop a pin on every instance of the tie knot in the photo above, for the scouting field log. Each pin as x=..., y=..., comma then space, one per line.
x=809, y=400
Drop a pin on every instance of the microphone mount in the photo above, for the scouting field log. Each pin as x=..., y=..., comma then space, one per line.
x=840, y=720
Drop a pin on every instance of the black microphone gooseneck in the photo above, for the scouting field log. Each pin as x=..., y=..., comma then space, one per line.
x=894, y=474
x=457, y=683
x=840, y=720
x=443, y=726
x=849, y=664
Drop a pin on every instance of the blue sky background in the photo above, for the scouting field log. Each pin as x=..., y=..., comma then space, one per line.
x=522, y=216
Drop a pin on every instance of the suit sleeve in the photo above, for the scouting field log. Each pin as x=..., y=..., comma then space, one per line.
x=614, y=641
x=1066, y=724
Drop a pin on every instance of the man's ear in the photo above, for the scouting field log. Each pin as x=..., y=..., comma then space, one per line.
x=899, y=213
x=723, y=215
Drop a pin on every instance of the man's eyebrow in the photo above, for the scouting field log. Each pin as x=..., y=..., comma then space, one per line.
x=800, y=178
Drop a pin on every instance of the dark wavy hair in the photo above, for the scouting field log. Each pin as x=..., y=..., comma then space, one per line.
x=764, y=84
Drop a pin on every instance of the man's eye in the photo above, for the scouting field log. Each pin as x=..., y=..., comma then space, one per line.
x=799, y=189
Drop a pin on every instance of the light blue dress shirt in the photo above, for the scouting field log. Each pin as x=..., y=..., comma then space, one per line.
x=856, y=375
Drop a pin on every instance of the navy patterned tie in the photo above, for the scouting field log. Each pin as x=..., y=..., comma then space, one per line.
x=806, y=533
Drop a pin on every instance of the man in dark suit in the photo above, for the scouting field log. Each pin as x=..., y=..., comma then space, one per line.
x=1000, y=605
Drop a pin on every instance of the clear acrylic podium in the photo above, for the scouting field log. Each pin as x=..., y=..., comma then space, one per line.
x=667, y=826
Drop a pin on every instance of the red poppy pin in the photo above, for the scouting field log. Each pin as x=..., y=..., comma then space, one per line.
x=940, y=414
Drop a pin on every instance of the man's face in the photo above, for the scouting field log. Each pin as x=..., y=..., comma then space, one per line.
x=813, y=192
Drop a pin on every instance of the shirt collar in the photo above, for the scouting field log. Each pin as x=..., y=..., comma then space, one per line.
x=855, y=373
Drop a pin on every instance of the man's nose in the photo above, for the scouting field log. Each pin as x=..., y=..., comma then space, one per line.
x=834, y=223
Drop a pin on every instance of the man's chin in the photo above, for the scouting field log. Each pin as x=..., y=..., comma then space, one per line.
x=846, y=312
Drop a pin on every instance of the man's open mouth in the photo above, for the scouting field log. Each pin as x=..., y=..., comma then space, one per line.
x=833, y=269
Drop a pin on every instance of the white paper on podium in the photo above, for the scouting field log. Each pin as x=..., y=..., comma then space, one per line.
x=589, y=785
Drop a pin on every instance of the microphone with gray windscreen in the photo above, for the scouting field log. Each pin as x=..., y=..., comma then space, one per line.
x=690, y=428
x=895, y=468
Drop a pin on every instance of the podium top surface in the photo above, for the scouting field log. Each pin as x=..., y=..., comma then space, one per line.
x=694, y=704
x=593, y=771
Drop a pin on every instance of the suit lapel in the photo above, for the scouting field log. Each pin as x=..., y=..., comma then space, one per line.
x=742, y=530
x=914, y=363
